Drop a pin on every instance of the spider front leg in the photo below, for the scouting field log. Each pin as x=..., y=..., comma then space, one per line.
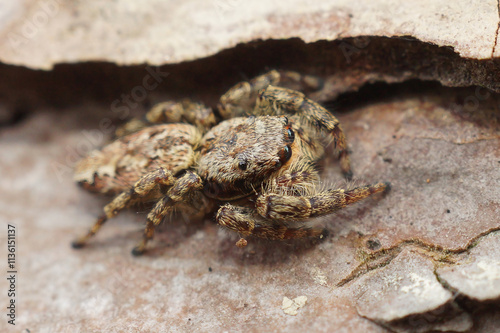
x=247, y=221
x=157, y=180
x=240, y=99
x=269, y=220
x=286, y=207
x=186, y=111
x=181, y=192
x=281, y=101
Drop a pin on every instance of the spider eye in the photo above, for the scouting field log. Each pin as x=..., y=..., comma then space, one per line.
x=285, y=154
x=242, y=165
x=290, y=134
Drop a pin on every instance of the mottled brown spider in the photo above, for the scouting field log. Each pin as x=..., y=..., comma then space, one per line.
x=258, y=164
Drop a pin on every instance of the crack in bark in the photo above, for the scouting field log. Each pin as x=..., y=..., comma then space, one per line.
x=381, y=151
x=458, y=301
x=446, y=285
x=424, y=315
x=436, y=253
x=496, y=33
x=492, y=138
x=378, y=323
x=454, y=304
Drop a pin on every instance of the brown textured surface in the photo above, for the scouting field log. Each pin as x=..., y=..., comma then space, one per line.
x=438, y=153
x=159, y=32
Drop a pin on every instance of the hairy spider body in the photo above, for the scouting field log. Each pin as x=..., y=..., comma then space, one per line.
x=262, y=156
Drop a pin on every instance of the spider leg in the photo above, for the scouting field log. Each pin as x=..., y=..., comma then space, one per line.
x=274, y=210
x=287, y=207
x=246, y=222
x=185, y=111
x=240, y=99
x=281, y=101
x=181, y=191
x=300, y=82
x=294, y=182
x=149, y=185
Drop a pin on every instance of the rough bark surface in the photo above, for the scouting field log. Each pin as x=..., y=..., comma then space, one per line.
x=128, y=32
x=419, y=102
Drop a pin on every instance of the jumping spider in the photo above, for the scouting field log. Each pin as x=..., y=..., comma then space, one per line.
x=259, y=163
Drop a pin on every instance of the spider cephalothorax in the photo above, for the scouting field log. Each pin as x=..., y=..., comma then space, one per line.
x=239, y=154
x=262, y=155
